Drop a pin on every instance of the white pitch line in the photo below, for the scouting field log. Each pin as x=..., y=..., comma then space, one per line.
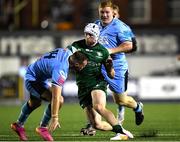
x=163, y=134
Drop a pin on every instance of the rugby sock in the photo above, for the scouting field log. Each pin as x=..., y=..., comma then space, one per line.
x=46, y=116
x=117, y=129
x=25, y=111
x=120, y=108
x=138, y=108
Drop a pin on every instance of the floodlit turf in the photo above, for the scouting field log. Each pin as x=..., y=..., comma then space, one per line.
x=162, y=123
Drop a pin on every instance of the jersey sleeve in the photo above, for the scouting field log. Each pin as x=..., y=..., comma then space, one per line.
x=125, y=36
x=59, y=76
x=72, y=48
x=124, y=32
x=76, y=46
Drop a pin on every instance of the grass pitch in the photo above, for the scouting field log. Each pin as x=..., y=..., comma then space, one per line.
x=162, y=123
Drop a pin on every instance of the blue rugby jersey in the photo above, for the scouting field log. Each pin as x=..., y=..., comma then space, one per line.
x=53, y=65
x=112, y=36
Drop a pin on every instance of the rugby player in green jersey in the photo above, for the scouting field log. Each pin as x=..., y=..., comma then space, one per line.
x=91, y=84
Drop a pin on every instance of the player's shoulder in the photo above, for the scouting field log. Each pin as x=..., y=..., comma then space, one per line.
x=120, y=25
x=60, y=51
x=77, y=45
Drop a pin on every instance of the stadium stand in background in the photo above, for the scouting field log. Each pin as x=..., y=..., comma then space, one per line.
x=29, y=28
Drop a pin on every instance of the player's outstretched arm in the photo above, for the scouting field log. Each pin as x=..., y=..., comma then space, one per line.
x=56, y=103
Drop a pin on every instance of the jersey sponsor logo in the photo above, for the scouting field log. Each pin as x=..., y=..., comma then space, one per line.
x=62, y=78
x=99, y=54
x=88, y=50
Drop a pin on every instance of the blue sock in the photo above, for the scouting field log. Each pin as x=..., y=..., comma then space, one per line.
x=46, y=116
x=138, y=108
x=25, y=112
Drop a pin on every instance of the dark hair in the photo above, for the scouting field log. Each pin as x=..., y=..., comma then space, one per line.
x=79, y=56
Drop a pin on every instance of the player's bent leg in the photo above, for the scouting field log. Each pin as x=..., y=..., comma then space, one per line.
x=99, y=123
x=95, y=121
x=20, y=131
x=99, y=105
x=44, y=133
x=128, y=101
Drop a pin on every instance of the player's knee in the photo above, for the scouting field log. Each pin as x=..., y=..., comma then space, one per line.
x=126, y=101
x=121, y=99
x=61, y=100
x=118, y=101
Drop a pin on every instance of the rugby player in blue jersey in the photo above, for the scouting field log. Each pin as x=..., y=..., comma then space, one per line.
x=118, y=38
x=54, y=66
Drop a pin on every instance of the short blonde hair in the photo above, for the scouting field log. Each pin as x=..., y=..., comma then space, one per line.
x=106, y=4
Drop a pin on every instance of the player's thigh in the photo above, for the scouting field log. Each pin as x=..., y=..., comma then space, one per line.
x=98, y=97
x=99, y=93
x=38, y=90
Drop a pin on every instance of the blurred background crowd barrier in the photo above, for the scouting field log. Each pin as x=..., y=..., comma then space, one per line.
x=29, y=28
